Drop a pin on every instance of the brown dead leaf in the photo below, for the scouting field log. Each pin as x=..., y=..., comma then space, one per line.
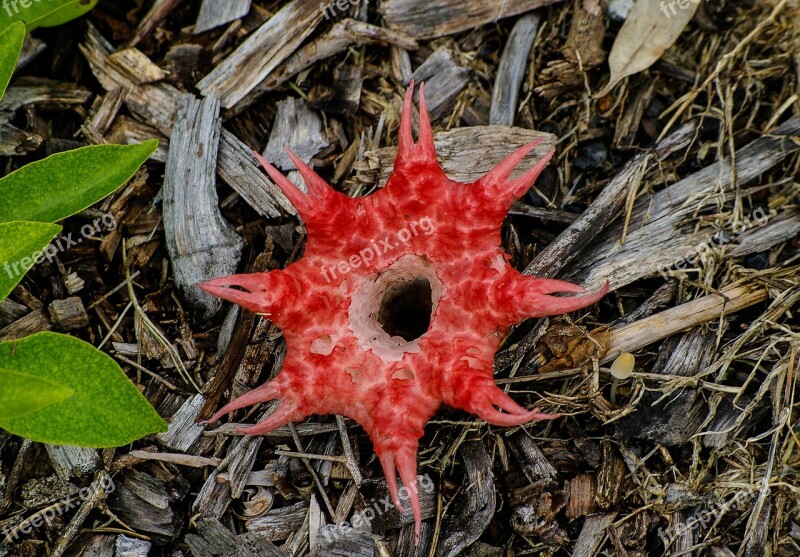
x=565, y=345
x=650, y=29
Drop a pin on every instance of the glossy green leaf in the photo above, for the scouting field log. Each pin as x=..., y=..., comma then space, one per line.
x=106, y=409
x=63, y=184
x=21, y=244
x=21, y=394
x=43, y=13
x=11, y=40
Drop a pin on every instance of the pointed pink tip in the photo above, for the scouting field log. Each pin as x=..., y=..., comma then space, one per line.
x=215, y=287
x=247, y=290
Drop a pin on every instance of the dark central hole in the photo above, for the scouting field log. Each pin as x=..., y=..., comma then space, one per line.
x=406, y=309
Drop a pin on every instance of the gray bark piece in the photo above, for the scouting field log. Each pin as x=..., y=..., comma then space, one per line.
x=279, y=524
x=475, y=507
x=260, y=54
x=201, y=244
x=674, y=418
x=244, y=457
x=298, y=128
x=34, y=322
x=511, y=70
x=532, y=461
x=466, y=154
x=183, y=431
x=15, y=142
x=214, y=13
x=427, y=19
x=594, y=531
x=444, y=79
x=657, y=237
x=343, y=541
x=213, y=498
x=71, y=462
x=31, y=48
x=782, y=228
x=131, y=547
x=215, y=540
x=10, y=311
x=97, y=546
x=341, y=36
x=143, y=502
x=105, y=110
x=157, y=105
x=40, y=90
x=566, y=247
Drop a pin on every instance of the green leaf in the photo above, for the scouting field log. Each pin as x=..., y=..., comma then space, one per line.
x=21, y=244
x=65, y=183
x=43, y=13
x=22, y=394
x=11, y=40
x=106, y=409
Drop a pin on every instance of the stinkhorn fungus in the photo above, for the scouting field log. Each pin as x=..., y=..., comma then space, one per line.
x=400, y=302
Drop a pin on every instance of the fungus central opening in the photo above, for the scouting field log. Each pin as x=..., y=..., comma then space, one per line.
x=406, y=308
x=392, y=310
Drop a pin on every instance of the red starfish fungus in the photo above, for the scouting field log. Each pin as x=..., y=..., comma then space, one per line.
x=424, y=241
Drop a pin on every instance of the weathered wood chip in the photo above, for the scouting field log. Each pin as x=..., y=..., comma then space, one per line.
x=345, y=94
x=427, y=19
x=39, y=90
x=157, y=105
x=183, y=430
x=444, y=80
x=130, y=58
x=144, y=503
x=343, y=541
x=279, y=524
x=214, y=13
x=131, y=547
x=659, y=237
x=298, y=128
x=581, y=494
x=673, y=419
x=16, y=142
x=69, y=314
x=33, y=322
x=260, y=54
x=201, y=244
x=215, y=540
x=593, y=533
x=341, y=36
x=780, y=229
x=466, y=154
x=511, y=70
x=31, y=48
x=10, y=311
x=475, y=507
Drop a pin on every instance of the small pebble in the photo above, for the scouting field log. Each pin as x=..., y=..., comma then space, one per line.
x=758, y=261
x=550, y=127
x=591, y=155
x=618, y=10
x=655, y=108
